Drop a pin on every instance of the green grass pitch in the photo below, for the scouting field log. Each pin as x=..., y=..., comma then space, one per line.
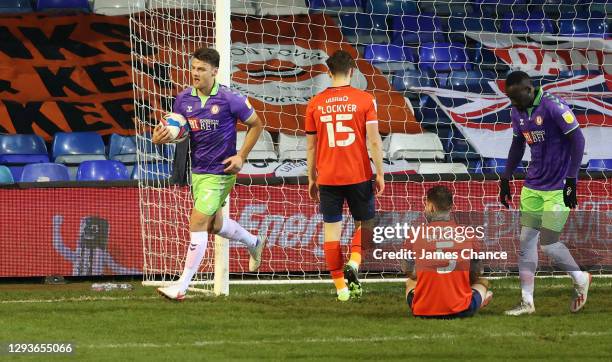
x=280, y=322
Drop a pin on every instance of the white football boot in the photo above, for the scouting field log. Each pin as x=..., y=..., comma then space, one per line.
x=580, y=294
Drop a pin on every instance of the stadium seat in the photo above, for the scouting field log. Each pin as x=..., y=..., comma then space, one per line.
x=152, y=152
x=595, y=26
x=456, y=145
x=22, y=148
x=443, y=57
x=416, y=29
x=364, y=28
x=490, y=8
x=6, y=177
x=461, y=22
x=526, y=23
x=391, y=7
x=156, y=171
x=335, y=5
x=409, y=79
x=446, y=7
x=390, y=57
x=494, y=166
x=118, y=7
x=263, y=149
x=82, y=5
x=45, y=172
x=76, y=147
x=599, y=165
x=122, y=148
x=102, y=170
x=15, y=6
x=471, y=80
x=291, y=147
x=439, y=168
x=419, y=146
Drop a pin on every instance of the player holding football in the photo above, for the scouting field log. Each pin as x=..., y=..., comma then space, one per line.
x=337, y=123
x=212, y=111
x=556, y=142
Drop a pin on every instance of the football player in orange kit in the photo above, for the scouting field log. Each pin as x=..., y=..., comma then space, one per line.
x=444, y=288
x=337, y=122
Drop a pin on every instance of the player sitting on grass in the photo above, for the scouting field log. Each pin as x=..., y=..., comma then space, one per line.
x=550, y=128
x=212, y=110
x=337, y=123
x=444, y=288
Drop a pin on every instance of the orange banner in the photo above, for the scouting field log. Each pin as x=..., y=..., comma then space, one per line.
x=73, y=73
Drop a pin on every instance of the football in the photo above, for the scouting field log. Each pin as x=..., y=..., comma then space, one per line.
x=177, y=126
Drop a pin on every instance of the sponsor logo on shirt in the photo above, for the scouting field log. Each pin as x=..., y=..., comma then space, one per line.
x=534, y=136
x=203, y=124
x=522, y=122
x=568, y=117
x=189, y=109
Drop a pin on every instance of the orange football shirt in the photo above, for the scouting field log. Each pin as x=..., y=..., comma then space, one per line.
x=443, y=286
x=338, y=116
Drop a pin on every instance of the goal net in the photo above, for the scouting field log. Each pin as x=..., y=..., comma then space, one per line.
x=436, y=69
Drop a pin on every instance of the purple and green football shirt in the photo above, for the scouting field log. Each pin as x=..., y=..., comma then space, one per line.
x=544, y=127
x=213, y=125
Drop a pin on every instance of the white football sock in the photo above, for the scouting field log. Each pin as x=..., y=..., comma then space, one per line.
x=528, y=261
x=233, y=231
x=195, y=253
x=560, y=255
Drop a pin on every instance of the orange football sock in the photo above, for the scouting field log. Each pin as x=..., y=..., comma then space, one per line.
x=333, y=259
x=356, y=248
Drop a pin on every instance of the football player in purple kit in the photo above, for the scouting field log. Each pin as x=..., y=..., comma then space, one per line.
x=212, y=111
x=547, y=124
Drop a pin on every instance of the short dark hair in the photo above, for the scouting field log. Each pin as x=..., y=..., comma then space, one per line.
x=207, y=55
x=516, y=77
x=340, y=62
x=441, y=197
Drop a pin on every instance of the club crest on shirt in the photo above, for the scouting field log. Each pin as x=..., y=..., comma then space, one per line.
x=539, y=120
x=568, y=117
x=214, y=109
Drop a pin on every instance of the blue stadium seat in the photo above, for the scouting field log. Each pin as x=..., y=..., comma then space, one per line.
x=456, y=146
x=599, y=165
x=595, y=26
x=391, y=7
x=76, y=147
x=405, y=80
x=470, y=80
x=490, y=8
x=122, y=148
x=22, y=148
x=335, y=5
x=6, y=177
x=522, y=23
x=102, y=170
x=443, y=57
x=446, y=7
x=416, y=28
x=364, y=28
x=82, y=5
x=430, y=114
x=498, y=166
x=152, y=171
x=44, y=172
x=462, y=22
x=390, y=57
x=15, y=6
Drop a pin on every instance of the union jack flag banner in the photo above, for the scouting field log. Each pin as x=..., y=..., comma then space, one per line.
x=483, y=115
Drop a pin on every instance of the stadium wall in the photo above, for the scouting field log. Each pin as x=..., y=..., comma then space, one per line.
x=96, y=230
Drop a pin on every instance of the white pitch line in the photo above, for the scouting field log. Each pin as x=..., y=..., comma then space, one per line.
x=373, y=339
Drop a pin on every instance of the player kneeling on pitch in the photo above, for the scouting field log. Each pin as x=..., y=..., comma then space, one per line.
x=442, y=282
x=212, y=111
x=547, y=124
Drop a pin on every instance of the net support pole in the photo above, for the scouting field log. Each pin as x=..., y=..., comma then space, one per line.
x=223, y=27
